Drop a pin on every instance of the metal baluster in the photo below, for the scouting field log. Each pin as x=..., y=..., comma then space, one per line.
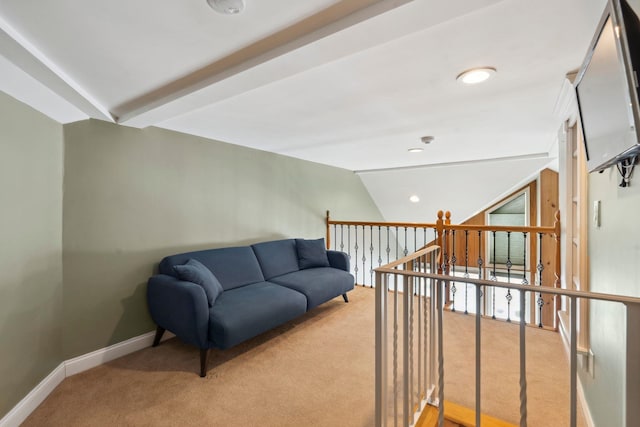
x=466, y=270
x=424, y=237
x=379, y=246
x=435, y=241
x=388, y=248
x=410, y=364
x=525, y=281
x=349, y=247
x=494, y=278
x=395, y=349
x=397, y=243
x=415, y=248
x=509, y=264
x=355, y=264
x=417, y=279
x=341, y=237
x=423, y=280
x=480, y=262
x=540, y=268
x=406, y=251
x=445, y=257
x=364, y=256
x=335, y=237
x=453, y=269
x=445, y=262
x=371, y=251
x=523, y=361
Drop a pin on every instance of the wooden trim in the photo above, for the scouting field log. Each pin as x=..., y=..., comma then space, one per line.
x=458, y=414
x=383, y=224
x=521, y=229
x=470, y=227
x=467, y=417
x=328, y=225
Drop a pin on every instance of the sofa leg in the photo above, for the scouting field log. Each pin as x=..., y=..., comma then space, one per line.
x=203, y=362
x=345, y=297
x=159, y=333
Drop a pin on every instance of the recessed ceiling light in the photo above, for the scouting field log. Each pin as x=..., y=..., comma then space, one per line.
x=227, y=7
x=415, y=150
x=476, y=75
x=427, y=139
x=414, y=199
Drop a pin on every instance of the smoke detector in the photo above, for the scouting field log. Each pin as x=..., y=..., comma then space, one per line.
x=227, y=7
x=427, y=139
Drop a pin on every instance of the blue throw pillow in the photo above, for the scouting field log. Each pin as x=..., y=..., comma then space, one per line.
x=311, y=253
x=194, y=271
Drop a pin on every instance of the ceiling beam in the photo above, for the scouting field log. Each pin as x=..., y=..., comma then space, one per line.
x=344, y=14
x=458, y=163
x=26, y=56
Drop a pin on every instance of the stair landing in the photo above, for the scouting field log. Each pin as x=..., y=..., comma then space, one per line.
x=457, y=416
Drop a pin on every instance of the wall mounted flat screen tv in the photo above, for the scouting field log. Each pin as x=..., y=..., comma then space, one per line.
x=607, y=89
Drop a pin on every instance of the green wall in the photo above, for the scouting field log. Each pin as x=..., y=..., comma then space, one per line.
x=73, y=269
x=31, y=154
x=132, y=196
x=614, y=258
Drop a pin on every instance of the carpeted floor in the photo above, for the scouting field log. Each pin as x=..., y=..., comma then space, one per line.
x=315, y=371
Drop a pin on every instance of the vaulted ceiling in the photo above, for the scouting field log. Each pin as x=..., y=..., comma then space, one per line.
x=352, y=83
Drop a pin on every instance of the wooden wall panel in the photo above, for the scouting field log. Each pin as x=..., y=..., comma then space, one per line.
x=548, y=207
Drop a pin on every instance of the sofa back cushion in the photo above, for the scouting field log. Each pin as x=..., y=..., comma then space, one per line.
x=311, y=253
x=277, y=257
x=233, y=267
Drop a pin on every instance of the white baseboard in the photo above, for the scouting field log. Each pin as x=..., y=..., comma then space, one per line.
x=585, y=407
x=566, y=340
x=30, y=402
x=104, y=355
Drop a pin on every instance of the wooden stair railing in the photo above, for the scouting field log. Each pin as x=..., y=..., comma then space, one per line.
x=464, y=251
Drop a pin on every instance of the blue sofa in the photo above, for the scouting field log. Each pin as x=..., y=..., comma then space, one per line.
x=218, y=298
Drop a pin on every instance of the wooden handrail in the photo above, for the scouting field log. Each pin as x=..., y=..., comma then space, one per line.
x=413, y=256
x=445, y=224
x=383, y=224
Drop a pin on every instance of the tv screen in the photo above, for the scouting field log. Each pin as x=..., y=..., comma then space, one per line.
x=607, y=89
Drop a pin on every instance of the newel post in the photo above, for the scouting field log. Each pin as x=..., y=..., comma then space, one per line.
x=558, y=269
x=328, y=241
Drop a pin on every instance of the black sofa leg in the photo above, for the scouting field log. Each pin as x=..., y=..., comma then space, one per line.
x=203, y=362
x=159, y=333
x=345, y=297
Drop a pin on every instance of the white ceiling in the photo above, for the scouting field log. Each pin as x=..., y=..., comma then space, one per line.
x=350, y=83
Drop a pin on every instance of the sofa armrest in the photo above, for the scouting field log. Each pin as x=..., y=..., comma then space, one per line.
x=338, y=260
x=179, y=307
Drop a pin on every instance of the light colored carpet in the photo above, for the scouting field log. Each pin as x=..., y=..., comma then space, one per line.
x=547, y=371
x=315, y=371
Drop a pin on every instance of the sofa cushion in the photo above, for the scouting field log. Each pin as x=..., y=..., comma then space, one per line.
x=193, y=271
x=233, y=267
x=317, y=284
x=245, y=312
x=277, y=258
x=311, y=253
